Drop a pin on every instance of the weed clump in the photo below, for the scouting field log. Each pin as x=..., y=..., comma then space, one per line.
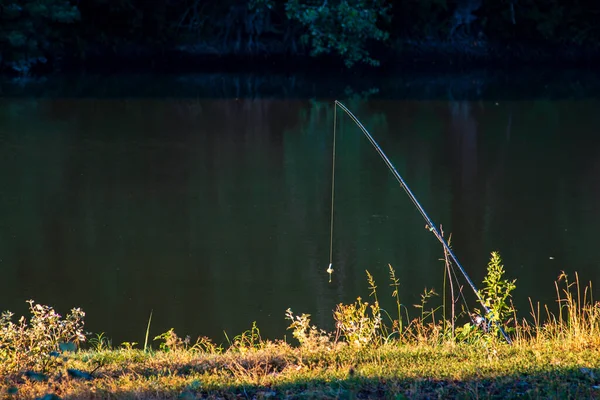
x=38, y=344
x=496, y=294
x=309, y=336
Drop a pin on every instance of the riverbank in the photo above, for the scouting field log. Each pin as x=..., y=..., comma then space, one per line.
x=556, y=356
x=557, y=369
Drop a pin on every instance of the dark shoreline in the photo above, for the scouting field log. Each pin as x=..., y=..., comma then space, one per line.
x=467, y=84
x=425, y=70
x=409, y=56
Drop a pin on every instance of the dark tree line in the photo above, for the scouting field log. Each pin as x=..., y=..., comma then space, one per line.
x=47, y=33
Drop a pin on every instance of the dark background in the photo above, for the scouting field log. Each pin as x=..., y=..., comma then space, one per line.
x=40, y=36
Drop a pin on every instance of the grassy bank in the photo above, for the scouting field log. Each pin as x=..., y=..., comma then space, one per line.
x=369, y=355
x=553, y=369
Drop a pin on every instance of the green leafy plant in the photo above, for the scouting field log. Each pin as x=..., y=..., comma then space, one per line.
x=341, y=27
x=205, y=345
x=172, y=342
x=100, y=342
x=248, y=340
x=358, y=323
x=35, y=345
x=468, y=333
x=496, y=294
x=128, y=345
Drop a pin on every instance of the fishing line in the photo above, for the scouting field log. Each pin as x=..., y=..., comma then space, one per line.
x=429, y=224
x=330, y=268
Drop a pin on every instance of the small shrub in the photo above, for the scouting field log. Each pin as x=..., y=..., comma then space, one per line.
x=496, y=294
x=356, y=324
x=100, y=342
x=172, y=342
x=35, y=345
x=248, y=340
x=469, y=333
x=309, y=336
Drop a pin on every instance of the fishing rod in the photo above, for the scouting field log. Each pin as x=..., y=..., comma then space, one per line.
x=430, y=225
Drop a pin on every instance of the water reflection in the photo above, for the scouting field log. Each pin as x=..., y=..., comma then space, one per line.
x=215, y=213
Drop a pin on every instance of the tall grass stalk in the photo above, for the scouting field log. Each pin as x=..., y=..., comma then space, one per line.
x=148, y=331
x=376, y=308
x=579, y=319
x=396, y=295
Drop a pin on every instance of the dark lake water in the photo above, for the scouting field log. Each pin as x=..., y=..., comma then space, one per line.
x=207, y=200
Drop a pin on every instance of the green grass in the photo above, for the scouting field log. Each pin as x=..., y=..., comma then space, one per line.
x=552, y=369
x=369, y=355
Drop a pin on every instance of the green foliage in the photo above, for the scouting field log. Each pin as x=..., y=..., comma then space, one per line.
x=249, y=339
x=100, y=342
x=341, y=27
x=172, y=342
x=496, y=291
x=37, y=344
x=31, y=31
x=496, y=294
x=359, y=323
x=469, y=333
x=128, y=345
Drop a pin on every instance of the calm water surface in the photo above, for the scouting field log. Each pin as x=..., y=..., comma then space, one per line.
x=214, y=212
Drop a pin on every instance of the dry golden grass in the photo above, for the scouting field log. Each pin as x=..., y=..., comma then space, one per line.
x=550, y=368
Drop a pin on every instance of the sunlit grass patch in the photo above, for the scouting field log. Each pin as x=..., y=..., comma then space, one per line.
x=281, y=371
